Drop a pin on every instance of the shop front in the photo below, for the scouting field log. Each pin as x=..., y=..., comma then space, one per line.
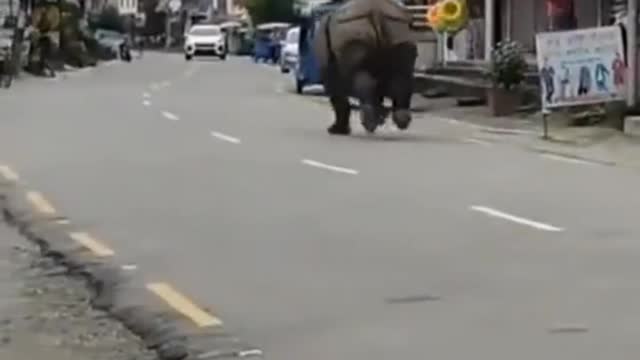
x=492, y=21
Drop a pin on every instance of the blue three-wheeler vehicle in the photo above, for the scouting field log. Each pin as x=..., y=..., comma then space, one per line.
x=307, y=72
x=267, y=42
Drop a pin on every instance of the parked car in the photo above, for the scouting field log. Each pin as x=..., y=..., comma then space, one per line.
x=307, y=71
x=205, y=40
x=289, y=52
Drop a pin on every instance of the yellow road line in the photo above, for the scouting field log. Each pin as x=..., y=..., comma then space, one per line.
x=40, y=203
x=95, y=246
x=8, y=173
x=183, y=305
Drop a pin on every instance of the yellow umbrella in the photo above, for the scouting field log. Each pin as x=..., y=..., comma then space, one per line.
x=434, y=17
x=455, y=15
x=448, y=16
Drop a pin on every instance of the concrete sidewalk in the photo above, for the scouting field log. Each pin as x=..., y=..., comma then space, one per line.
x=599, y=144
x=45, y=315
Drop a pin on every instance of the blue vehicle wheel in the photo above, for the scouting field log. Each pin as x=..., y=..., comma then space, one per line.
x=299, y=86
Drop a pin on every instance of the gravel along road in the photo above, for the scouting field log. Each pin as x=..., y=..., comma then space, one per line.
x=45, y=314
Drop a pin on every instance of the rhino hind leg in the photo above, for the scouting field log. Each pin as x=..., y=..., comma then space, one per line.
x=337, y=91
x=401, y=83
x=342, y=111
x=366, y=89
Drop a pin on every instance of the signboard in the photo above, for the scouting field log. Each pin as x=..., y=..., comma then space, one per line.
x=581, y=67
x=127, y=7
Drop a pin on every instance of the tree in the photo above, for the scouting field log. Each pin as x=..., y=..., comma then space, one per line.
x=262, y=11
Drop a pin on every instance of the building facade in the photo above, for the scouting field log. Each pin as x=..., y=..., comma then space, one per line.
x=495, y=20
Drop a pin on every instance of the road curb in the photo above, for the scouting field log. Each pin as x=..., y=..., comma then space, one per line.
x=120, y=293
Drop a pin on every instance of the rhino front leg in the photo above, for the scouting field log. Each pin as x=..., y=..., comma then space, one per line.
x=401, y=83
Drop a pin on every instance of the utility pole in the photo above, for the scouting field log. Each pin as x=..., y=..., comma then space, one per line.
x=18, y=37
x=167, y=29
x=489, y=28
x=632, y=52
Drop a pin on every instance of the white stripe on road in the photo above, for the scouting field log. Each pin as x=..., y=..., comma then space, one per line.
x=170, y=116
x=191, y=71
x=477, y=142
x=225, y=137
x=146, y=103
x=248, y=353
x=565, y=159
x=330, y=167
x=515, y=219
x=146, y=95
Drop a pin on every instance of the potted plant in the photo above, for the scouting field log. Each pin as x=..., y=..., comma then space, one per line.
x=507, y=71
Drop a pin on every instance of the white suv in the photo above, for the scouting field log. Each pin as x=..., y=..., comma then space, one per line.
x=205, y=40
x=289, y=52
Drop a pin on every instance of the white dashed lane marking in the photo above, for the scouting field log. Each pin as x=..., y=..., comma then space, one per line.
x=146, y=103
x=324, y=166
x=170, y=116
x=225, y=137
x=477, y=142
x=515, y=219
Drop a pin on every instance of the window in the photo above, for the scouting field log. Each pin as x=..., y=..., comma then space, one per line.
x=204, y=31
x=293, y=36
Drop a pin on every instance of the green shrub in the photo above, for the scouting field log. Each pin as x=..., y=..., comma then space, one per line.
x=508, y=65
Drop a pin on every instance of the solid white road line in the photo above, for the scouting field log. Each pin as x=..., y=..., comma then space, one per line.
x=565, y=159
x=515, y=219
x=170, y=116
x=330, y=167
x=225, y=137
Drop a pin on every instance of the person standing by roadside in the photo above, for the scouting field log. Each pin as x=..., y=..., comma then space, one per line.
x=561, y=15
x=138, y=25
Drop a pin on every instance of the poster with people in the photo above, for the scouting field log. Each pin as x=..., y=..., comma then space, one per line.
x=580, y=67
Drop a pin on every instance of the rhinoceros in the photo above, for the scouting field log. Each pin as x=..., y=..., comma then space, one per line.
x=366, y=48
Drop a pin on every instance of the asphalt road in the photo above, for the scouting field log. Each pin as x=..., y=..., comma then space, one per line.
x=425, y=244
